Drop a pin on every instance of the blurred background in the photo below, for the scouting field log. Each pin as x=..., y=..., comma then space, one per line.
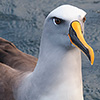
x=21, y=22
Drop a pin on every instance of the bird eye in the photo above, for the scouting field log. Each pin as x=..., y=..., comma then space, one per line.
x=84, y=19
x=57, y=21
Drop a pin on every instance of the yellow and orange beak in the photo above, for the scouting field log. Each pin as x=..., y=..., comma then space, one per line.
x=77, y=39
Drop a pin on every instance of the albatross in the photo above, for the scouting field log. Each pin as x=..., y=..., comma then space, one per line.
x=56, y=74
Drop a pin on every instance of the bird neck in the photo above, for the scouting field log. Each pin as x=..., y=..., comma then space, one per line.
x=57, y=76
x=60, y=75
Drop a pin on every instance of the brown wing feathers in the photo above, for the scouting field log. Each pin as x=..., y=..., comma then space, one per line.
x=14, y=64
x=16, y=59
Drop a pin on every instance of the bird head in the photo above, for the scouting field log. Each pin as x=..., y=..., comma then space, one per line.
x=64, y=26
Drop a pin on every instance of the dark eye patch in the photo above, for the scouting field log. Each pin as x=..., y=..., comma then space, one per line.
x=84, y=19
x=57, y=21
